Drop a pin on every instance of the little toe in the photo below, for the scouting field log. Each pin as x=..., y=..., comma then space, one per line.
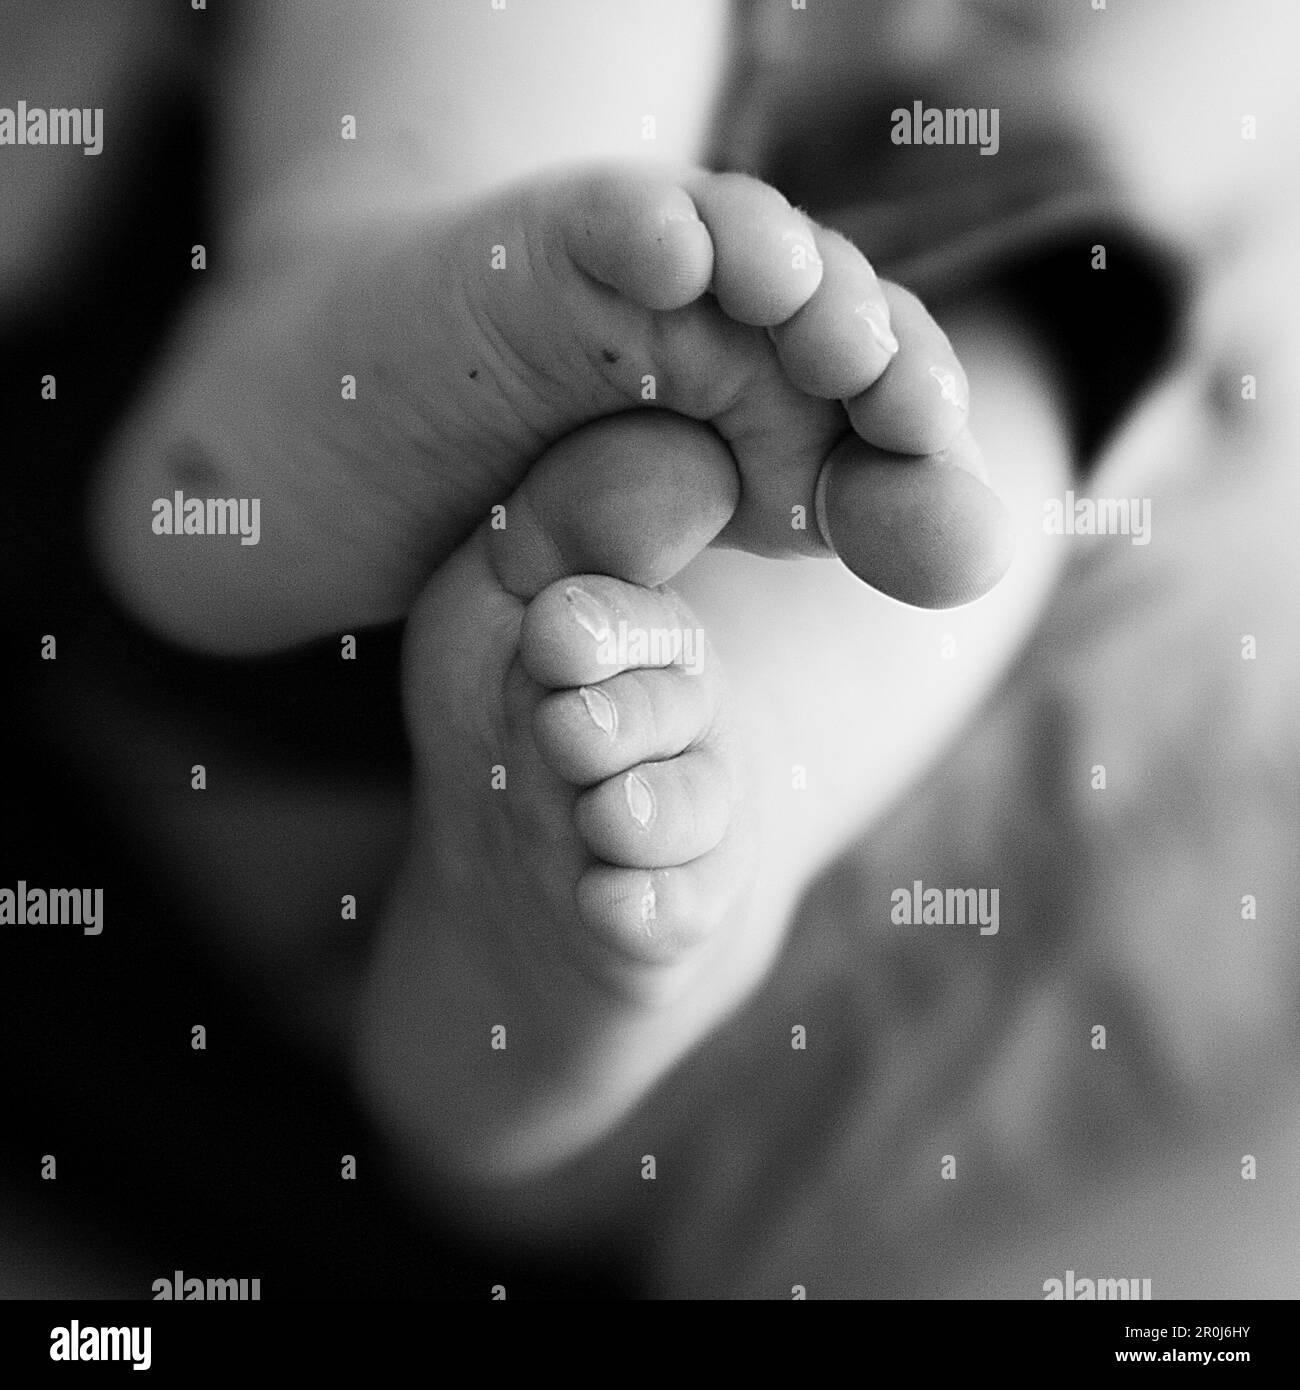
x=638, y=232
x=766, y=265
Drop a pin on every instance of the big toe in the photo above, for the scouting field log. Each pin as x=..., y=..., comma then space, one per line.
x=633, y=496
x=925, y=531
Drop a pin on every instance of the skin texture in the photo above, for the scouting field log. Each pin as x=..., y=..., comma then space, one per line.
x=470, y=361
x=554, y=942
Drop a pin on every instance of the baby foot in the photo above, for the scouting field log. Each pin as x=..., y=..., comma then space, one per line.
x=579, y=900
x=377, y=404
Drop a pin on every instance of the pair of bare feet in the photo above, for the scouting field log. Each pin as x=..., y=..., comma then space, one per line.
x=583, y=895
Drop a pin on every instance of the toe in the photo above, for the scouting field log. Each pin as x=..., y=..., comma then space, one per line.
x=659, y=814
x=639, y=233
x=840, y=342
x=657, y=917
x=648, y=916
x=766, y=265
x=636, y=496
x=597, y=731
x=926, y=531
x=588, y=627
x=922, y=401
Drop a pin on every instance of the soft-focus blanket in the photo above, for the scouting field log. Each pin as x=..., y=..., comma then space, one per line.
x=957, y=1123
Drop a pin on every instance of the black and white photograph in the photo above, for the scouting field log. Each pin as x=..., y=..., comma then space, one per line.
x=653, y=656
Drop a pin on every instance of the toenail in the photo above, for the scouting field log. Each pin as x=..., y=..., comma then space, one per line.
x=603, y=711
x=589, y=614
x=951, y=388
x=640, y=799
x=874, y=317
